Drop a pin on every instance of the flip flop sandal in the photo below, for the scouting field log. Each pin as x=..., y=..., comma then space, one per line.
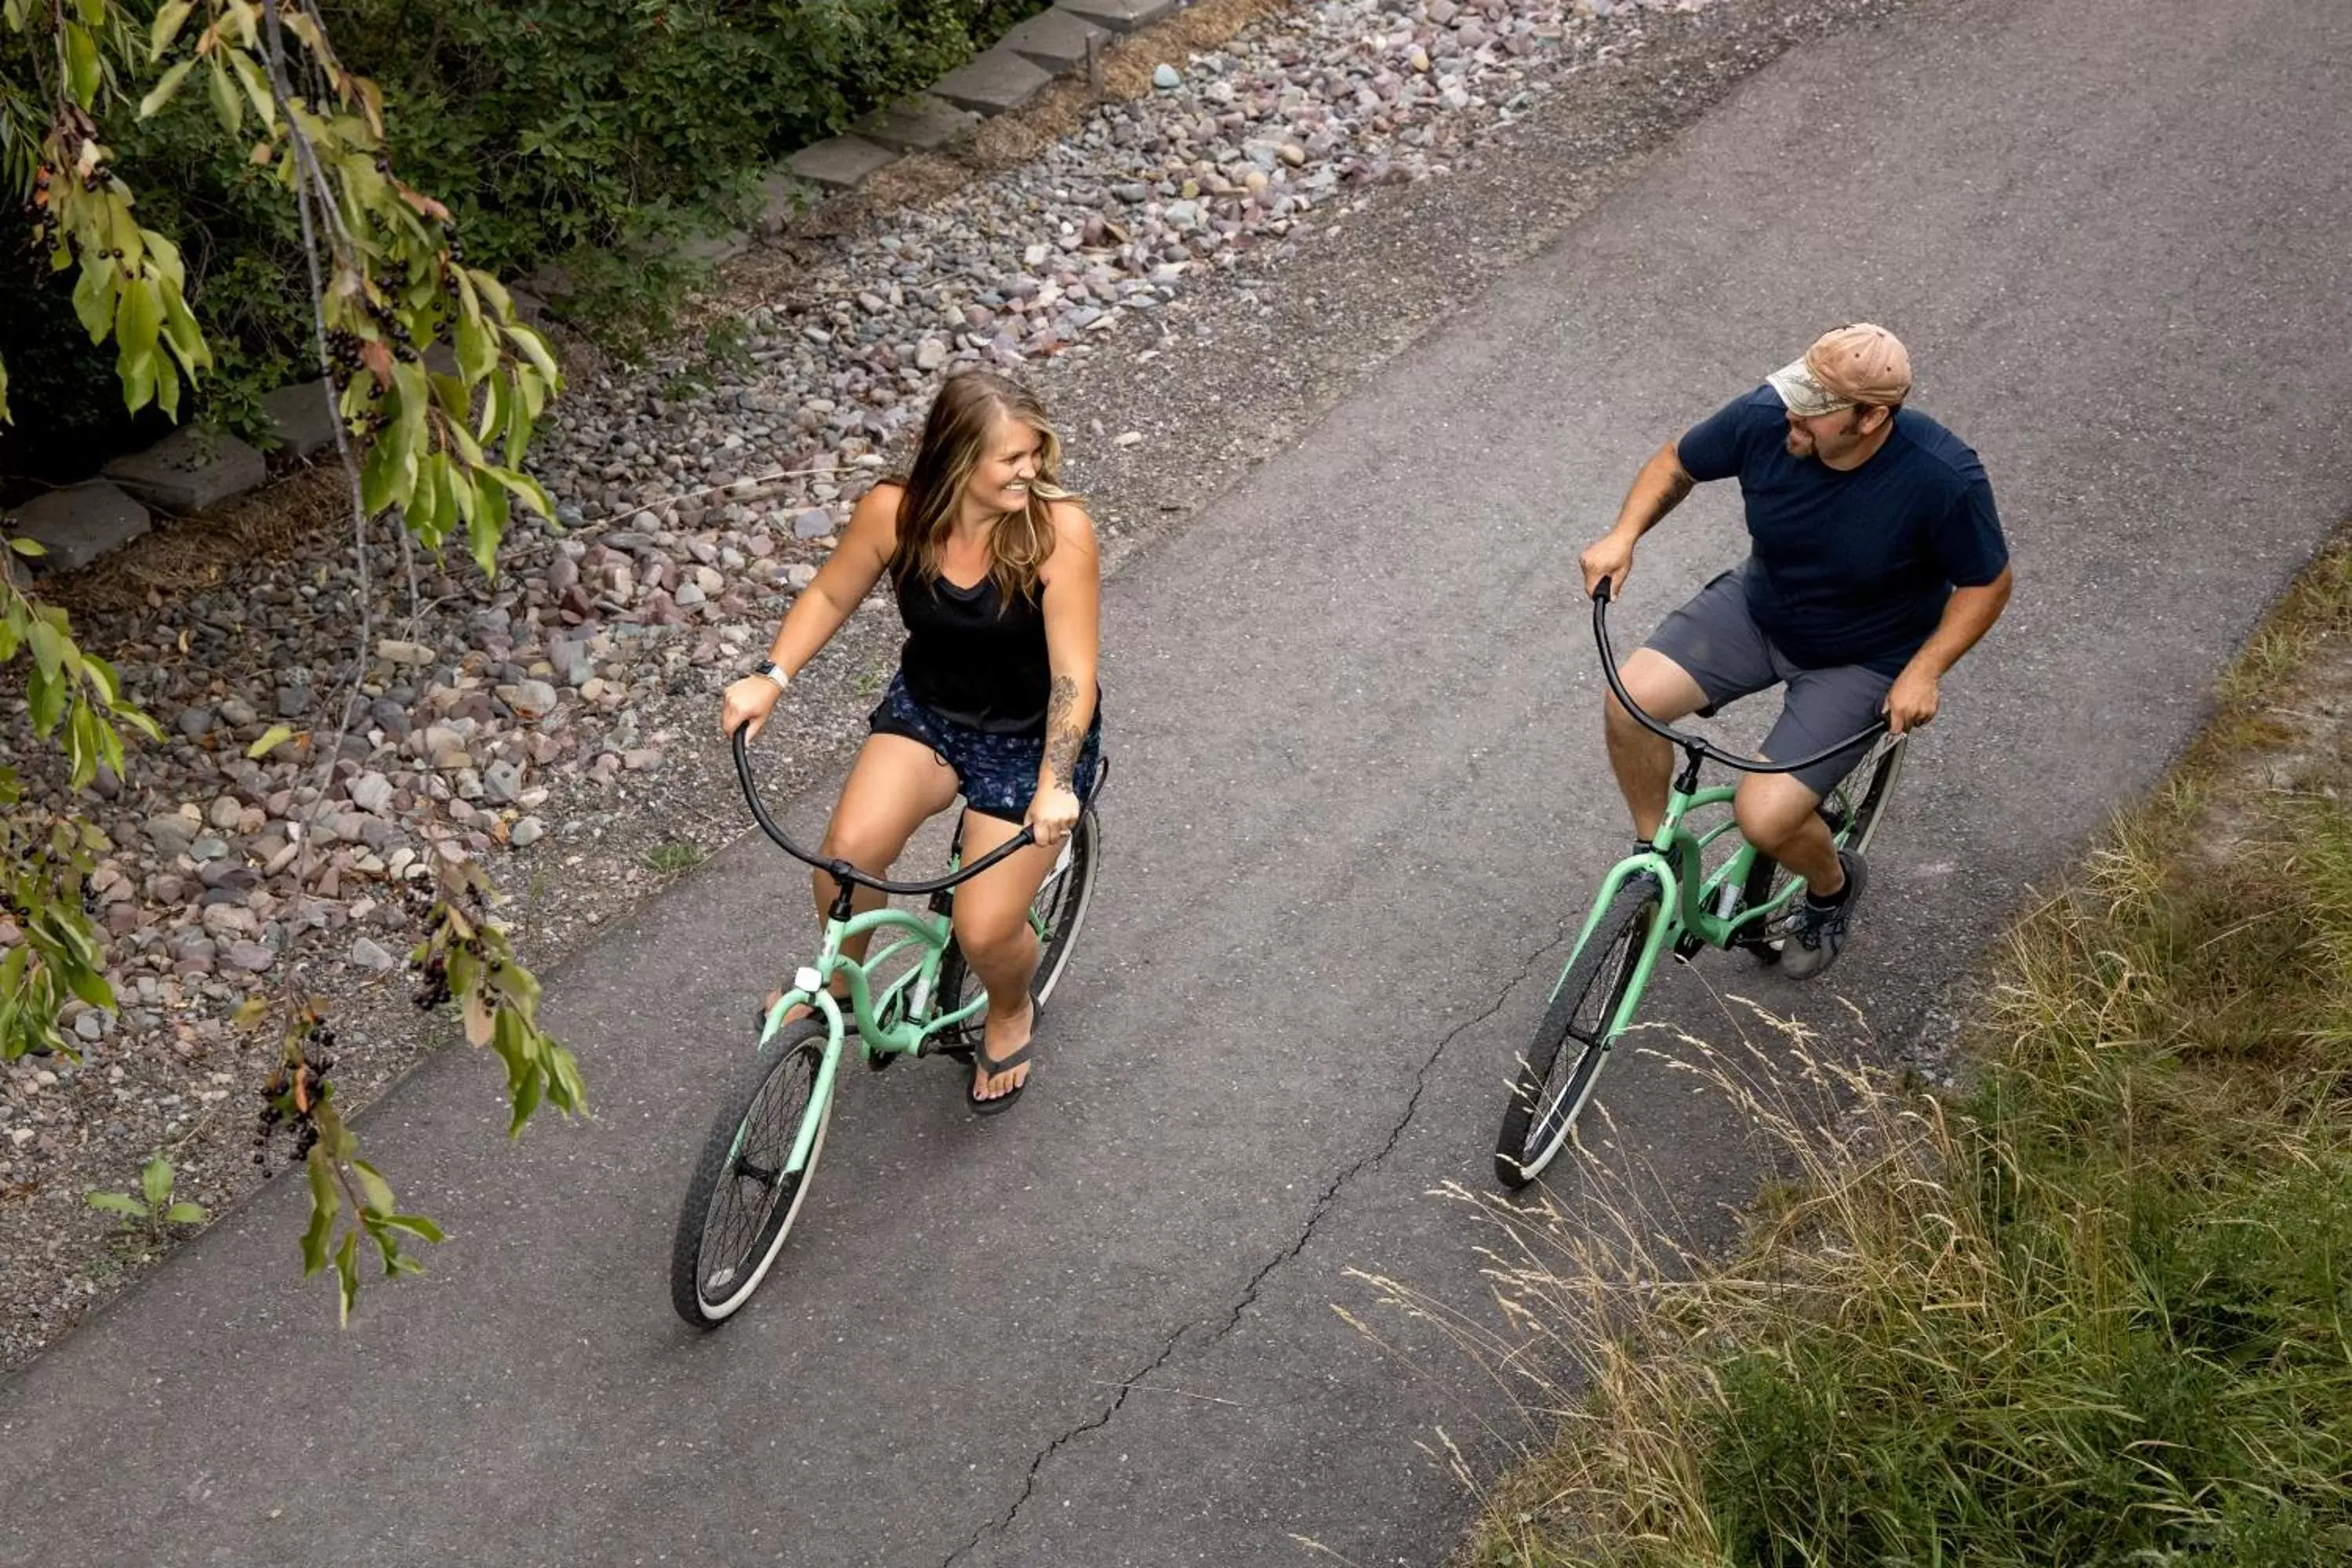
x=996, y=1065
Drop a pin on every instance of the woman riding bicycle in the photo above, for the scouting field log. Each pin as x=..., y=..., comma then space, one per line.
x=998, y=581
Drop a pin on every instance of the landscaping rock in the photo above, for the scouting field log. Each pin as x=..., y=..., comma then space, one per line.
x=1118, y=15
x=171, y=834
x=919, y=124
x=186, y=472
x=302, y=417
x=76, y=525
x=1054, y=40
x=842, y=162
x=995, y=82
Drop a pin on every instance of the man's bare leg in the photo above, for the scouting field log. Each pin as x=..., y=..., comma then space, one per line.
x=1644, y=763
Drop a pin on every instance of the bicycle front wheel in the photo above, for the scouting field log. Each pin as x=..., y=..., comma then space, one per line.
x=743, y=1199
x=1563, y=1063
x=1056, y=914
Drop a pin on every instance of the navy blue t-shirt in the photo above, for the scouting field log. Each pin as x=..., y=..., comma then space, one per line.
x=1854, y=567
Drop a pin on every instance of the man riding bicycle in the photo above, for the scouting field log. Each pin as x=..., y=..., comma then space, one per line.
x=1876, y=560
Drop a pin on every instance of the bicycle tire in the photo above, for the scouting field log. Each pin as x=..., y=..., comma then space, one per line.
x=707, y=1289
x=1066, y=894
x=1854, y=819
x=1544, y=1105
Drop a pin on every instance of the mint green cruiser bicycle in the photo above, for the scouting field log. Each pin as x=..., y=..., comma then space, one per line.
x=1666, y=899
x=916, y=997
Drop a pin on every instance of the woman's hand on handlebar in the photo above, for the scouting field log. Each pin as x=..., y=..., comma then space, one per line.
x=1611, y=561
x=1053, y=813
x=747, y=701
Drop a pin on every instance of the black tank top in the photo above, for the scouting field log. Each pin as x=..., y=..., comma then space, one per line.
x=972, y=659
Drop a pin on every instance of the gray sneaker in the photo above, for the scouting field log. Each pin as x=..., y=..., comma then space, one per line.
x=1811, y=937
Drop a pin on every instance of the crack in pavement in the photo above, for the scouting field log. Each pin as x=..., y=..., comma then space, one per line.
x=1249, y=1295
x=1029, y=1483
x=1388, y=1146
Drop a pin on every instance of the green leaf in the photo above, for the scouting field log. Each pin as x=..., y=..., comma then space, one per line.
x=48, y=648
x=93, y=295
x=92, y=12
x=257, y=86
x=168, y=22
x=534, y=348
x=271, y=739
x=32, y=547
x=226, y=107
x=379, y=474
x=47, y=696
x=519, y=986
x=527, y=1095
x=137, y=382
x=526, y=489
x=180, y=329
x=347, y=1275
x=373, y=1185
x=483, y=528
x=185, y=1213
x=90, y=984
x=568, y=1092
x=165, y=89
x=324, y=1202
x=138, y=319
x=116, y=1203
x=493, y=291
x=82, y=70
x=416, y=1224
x=477, y=351
x=494, y=406
x=155, y=1180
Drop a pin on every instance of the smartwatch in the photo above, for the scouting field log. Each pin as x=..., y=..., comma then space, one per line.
x=773, y=671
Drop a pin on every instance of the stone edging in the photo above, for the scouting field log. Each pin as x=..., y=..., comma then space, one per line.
x=186, y=472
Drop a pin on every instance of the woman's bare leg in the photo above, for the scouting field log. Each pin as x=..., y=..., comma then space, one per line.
x=992, y=925
x=895, y=788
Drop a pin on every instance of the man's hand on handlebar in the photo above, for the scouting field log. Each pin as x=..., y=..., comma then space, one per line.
x=1610, y=561
x=1911, y=701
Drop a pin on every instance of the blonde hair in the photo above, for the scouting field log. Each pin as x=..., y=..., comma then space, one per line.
x=955, y=438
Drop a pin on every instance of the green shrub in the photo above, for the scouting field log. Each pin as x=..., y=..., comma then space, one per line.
x=580, y=134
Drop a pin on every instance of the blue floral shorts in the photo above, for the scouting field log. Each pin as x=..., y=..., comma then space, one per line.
x=998, y=774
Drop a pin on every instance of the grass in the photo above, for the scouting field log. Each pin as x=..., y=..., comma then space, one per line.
x=674, y=856
x=2094, y=1308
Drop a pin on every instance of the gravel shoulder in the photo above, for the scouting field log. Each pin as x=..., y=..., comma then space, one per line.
x=1185, y=321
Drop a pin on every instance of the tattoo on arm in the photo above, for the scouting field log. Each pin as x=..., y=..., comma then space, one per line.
x=1062, y=737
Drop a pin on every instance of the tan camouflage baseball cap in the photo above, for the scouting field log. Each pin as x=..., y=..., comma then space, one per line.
x=1860, y=364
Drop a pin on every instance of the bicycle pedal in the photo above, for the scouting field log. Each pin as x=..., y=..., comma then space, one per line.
x=1688, y=947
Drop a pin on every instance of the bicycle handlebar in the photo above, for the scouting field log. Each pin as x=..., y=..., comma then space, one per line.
x=1693, y=742
x=842, y=871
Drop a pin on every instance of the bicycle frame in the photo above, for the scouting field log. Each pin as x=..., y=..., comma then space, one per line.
x=1688, y=908
x=906, y=995
x=1695, y=908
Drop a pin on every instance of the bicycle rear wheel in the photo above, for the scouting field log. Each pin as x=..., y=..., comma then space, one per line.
x=1056, y=914
x=1854, y=810
x=1556, y=1077
x=743, y=1201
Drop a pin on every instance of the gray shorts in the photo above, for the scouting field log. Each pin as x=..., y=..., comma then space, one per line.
x=1715, y=640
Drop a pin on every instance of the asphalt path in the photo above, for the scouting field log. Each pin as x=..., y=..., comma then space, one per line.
x=1358, y=800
